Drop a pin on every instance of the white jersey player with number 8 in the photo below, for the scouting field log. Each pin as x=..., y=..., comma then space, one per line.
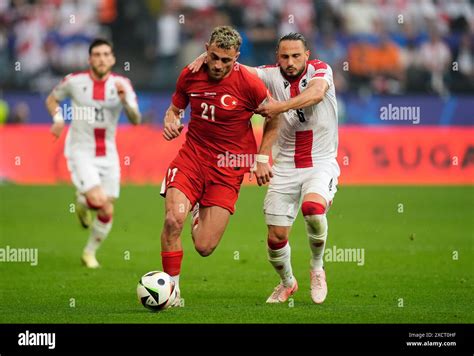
x=97, y=98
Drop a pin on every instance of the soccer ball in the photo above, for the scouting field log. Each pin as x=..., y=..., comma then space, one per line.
x=156, y=290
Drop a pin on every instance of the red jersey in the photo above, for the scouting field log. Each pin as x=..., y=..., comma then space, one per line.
x=220, y=111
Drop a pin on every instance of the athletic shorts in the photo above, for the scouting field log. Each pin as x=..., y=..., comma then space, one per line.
x=289, y=185
x=201, y=182
x=88, y=172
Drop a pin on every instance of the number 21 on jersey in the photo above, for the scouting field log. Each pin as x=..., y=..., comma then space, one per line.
x=208, y=110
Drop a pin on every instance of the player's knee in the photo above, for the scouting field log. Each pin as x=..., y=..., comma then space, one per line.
x=174, y=223
x=314, y=216
x=277, y=235
x=96, y=200
x=204, y=249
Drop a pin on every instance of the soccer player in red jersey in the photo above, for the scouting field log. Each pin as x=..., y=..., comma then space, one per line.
x=223, y=96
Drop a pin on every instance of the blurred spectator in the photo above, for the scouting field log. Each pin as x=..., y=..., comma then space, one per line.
x=29, y=34
x=380, y=46
x=435, y=59
x=297, y=16
x=167, y=46
x=329, y=50
x=463, y=66
x=260, y=22
x=360, y=16
x=388, y=71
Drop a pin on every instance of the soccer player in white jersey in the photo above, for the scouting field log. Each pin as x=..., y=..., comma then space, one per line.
x=97, y=98
x=305, y=170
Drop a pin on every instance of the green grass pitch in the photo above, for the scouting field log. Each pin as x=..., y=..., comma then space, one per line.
x=418, y=264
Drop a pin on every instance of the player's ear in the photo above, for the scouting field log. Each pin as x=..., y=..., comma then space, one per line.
x=307, y=53
x=207, y=46
x=237, y=56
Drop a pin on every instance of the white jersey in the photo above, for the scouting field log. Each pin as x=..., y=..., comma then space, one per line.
x=306, y=135
x=94, y=114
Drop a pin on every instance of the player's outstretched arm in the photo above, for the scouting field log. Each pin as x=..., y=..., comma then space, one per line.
x=313, y=95
x=131, y=110
x=195, y=65
x=52, y=105
x=172, y=123
x=261, y=168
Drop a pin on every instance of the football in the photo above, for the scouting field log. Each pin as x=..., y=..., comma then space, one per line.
x=156, y=290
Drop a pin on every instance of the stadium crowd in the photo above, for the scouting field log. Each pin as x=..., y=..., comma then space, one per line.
x=375, y=46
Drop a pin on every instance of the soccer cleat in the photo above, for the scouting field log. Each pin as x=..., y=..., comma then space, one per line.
x=319, y=287
x=282, y=293
x=177, y=301
x=89, y=260
x=83, y=213
x=195, y=216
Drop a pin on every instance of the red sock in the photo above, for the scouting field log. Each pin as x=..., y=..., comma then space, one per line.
x=172, y=262
x=276, y=245
x=312, y=208
x=104, y=218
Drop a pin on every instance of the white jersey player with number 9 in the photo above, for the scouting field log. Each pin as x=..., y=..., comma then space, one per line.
x=97, y=98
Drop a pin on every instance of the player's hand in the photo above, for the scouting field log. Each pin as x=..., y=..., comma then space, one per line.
x=172, y=129
x=57, y=128
x=263, y=173
x=120, y=91
x=271, y=108
x=197, y=63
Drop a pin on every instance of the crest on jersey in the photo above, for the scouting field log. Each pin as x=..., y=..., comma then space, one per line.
x=228, y=102
x=285, y=83
x=304, y=83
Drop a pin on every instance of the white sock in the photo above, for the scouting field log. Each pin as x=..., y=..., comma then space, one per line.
x=317, y=229
x=99, y=232
x=281, y=261
x=176, y=281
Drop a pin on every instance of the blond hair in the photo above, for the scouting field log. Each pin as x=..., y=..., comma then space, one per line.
x=225, y=37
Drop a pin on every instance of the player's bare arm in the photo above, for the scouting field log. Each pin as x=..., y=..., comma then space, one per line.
x=52, y=105
x=262, y=169
x=172, y=123
x=195, y=65
x=313, y=95
x=132, y=112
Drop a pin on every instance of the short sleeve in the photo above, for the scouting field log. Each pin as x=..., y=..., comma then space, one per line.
x=324, y=72
x=130, y=95
x=180, y=99
x=62, y=90
x=258, y=91
x=263, y=73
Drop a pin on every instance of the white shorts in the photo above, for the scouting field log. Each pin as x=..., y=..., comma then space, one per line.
x=87, y=173
x=289, y=185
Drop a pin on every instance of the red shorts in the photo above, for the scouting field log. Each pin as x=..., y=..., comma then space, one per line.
x=201, y=181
